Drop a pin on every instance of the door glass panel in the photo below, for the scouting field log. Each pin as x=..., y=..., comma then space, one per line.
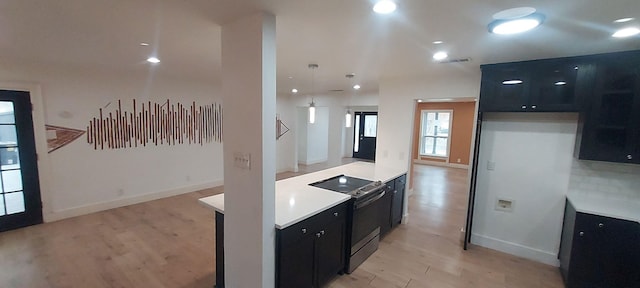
x=6, y=113
x=356, y=135
x=9, y=158
x=2, y=204
x=12, y=180
x=15, y=202
x=8, y=136
x=370, y=125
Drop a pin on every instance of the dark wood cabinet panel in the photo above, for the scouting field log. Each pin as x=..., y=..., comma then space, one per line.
x=610, y=126
x=385, y=210
x=296, y=263
x=550, y=85
x=397, y=203
x=330, y=251
x=598, y=251
x=310, y=253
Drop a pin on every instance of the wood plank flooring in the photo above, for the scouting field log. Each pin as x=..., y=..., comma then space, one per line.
x=169, y=243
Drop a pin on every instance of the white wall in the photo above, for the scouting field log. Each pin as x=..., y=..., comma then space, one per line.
x=533, y=154
x=317, y=137
x=83, y=180
x=337, y=136
x=286, y=145
x=612, y=180
x=397, y=105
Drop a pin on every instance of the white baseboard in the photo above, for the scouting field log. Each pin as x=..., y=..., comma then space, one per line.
x=443, y=164
x=313, y=161
x=121, y=202
x=546, y=257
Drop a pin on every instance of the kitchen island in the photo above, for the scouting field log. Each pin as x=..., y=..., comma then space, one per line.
x=307, y=219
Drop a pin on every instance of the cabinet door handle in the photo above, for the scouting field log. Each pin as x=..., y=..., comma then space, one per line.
x=304, y=231
x=600, y=225
x=395, y=191
x=321, y=232
x=581, y=234
x=534, y=106
x=629, y=157
x=318, y=235
x=524, y=106
x=335, y=214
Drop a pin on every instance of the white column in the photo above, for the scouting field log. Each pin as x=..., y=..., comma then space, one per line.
x=249, y=102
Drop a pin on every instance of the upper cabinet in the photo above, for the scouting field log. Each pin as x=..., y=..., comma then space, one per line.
x=553, y=85
x=610, y=124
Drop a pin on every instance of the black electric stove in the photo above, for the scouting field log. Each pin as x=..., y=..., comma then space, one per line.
x=363, y=230
x=353, y=186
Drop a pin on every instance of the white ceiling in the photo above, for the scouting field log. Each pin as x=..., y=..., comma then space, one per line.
x=342, y=36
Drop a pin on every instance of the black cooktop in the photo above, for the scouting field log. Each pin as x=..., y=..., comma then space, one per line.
x=342, y=183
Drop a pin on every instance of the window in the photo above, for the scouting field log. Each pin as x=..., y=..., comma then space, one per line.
x=434, y=132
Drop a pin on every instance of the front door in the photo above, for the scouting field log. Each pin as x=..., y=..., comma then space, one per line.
x=19, y=187
x=365, y=133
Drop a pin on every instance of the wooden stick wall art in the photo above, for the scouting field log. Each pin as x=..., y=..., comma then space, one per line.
x=157, y=124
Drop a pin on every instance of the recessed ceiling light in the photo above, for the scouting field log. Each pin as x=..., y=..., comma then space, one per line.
x=144, y=44
x=560, y=83
x=437, y=42
x=622, y=20
x=440, y=56
x=290, y=77
x=626, y=32
x=356, y=86
x=384, y=7
x=512, y=82
x=294, y=90
x=153, y=60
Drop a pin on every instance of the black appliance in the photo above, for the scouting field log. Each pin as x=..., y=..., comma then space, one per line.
x=364, y=225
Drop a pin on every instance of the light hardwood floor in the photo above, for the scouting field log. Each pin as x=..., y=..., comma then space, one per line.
x=169, y=243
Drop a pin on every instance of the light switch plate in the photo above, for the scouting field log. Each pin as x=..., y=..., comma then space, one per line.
x=491, y=165
x=242, y=160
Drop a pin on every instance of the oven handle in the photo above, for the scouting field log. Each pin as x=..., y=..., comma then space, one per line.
x=368, y=202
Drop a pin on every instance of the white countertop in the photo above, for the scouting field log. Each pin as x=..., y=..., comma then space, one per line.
x=296, y=200
x=606, y=206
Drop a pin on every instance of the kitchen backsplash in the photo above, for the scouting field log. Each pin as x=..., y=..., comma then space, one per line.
x=592, y=178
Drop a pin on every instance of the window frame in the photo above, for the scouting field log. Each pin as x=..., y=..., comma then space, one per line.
x=422, y=136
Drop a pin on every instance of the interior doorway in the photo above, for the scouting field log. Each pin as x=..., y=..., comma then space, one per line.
x=443, y=132
x=20, y=203
x=365, y=133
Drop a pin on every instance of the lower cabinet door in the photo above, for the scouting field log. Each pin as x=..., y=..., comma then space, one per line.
x=298, y=259
x=330, y=252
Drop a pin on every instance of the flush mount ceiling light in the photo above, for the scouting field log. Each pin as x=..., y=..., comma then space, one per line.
x=515, y=20
x=626, y=32
x=144, y=44
x=384, y=7
x=153, y=60
x=437, y=42
x=294, y=90
x=357, y=87
x=439, y=56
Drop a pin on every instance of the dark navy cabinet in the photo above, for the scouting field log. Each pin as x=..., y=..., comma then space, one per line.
x=598, y=251
x=610, y=125
x=551, y=85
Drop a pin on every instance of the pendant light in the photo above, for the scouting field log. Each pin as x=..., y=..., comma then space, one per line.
x=347, y=116
x=312, y=105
